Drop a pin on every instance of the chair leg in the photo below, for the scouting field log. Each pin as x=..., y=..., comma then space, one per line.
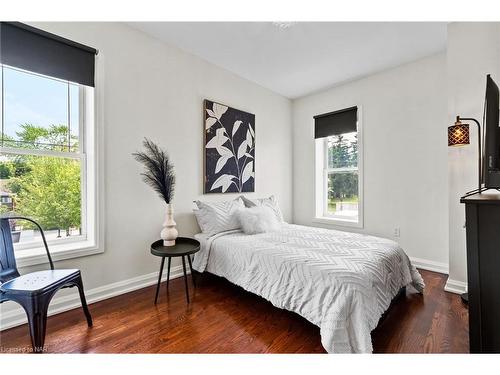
x=79, y=285
x=37, y=321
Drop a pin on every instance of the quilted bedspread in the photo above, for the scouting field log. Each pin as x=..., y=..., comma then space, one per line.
x=340, y=281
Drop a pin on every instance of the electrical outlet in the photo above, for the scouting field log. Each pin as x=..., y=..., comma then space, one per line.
x=396, y=232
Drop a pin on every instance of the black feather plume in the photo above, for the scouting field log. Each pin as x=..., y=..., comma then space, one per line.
x=159, y=171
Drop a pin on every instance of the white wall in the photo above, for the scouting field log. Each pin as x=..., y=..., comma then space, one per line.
x=405, y=171
x=473, y=51
x=157, y=91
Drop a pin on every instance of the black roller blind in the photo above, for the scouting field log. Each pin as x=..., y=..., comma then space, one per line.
x=38, y=51
x=335, y=123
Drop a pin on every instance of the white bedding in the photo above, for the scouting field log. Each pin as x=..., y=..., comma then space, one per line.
x=340, y=281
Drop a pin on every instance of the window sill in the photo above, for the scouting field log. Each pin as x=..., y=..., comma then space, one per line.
x=34, y=256
x=337, y=222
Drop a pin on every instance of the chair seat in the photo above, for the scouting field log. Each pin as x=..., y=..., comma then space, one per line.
x=38, y=282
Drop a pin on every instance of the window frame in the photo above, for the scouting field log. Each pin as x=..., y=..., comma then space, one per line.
x=90, y=147
x=321, y=169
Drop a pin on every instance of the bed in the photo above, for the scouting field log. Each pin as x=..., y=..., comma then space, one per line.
x=340, y=281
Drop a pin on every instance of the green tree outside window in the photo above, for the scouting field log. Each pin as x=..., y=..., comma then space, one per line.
x=46, y=188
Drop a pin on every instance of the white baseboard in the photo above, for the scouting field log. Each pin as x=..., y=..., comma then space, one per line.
x=430, y=265
x=452, y=286
x=455, y=286
x=17, y=316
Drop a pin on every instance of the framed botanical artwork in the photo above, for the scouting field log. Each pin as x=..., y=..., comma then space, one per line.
x=229, y=149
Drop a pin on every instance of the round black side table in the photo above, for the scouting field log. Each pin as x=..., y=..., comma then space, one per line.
x=183, y=247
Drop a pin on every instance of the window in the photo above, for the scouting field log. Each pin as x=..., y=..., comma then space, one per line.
x=338, y=172
x=44, y=170
x=48, y=149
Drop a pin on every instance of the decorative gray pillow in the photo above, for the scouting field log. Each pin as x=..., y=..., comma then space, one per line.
x=216, y=217
x=270, y=202
x=258, y=219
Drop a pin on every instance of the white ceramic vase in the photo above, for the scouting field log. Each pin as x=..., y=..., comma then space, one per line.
x=169, y=232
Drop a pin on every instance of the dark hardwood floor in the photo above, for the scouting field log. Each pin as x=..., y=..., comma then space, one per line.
x=223, y=318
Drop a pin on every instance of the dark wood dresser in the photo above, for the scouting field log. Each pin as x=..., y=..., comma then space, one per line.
x=482, y=213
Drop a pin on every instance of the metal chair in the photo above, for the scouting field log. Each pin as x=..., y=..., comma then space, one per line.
x=34, y=291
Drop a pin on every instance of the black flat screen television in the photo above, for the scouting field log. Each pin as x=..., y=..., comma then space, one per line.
x=491, y=161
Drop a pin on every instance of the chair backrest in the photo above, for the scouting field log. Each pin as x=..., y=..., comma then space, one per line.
x=8, y=268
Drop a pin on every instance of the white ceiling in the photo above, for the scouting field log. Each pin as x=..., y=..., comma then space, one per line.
x=305, y=56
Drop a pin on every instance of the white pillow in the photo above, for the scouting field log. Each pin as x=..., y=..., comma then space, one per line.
x=258, y=219
x=270, y=202
x=216, y=217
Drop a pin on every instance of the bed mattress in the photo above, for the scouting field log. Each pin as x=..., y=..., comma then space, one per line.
x=340, y=281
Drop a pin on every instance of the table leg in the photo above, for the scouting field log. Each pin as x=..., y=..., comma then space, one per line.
x=185, y=278
x=191, y=268
x=159, y=278
x=168, y=271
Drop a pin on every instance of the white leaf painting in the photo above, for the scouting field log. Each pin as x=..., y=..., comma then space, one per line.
x=218, y=140
x=236, y=126
x=223, y=181
x=222, y=150
x=222, y=161
x=219, y=110
x=229, y=149
x=210, y=122
x=247, y=172
x=242, y=149
x=249, y=139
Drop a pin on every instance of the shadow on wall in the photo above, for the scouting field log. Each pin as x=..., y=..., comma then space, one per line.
x=186, y=223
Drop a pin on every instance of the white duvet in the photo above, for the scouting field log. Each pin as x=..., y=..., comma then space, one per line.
x=340, y=281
